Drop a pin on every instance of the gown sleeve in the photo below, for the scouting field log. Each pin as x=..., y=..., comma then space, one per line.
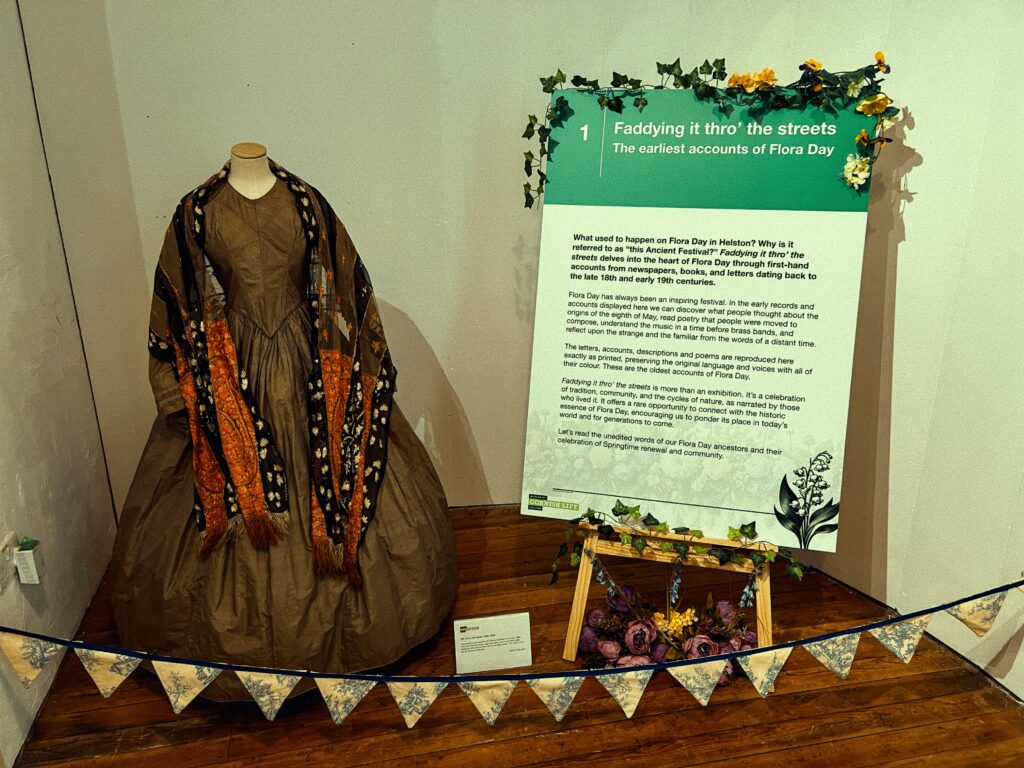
x=163, y=373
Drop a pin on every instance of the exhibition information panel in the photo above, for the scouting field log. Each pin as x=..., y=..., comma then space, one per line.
x=696, y=307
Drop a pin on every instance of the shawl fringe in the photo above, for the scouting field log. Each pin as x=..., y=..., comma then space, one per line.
x=212, y=540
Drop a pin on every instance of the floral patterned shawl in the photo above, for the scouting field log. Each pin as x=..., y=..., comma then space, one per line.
x=240, y=480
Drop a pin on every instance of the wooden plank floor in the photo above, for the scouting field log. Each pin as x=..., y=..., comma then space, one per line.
x=936, y=711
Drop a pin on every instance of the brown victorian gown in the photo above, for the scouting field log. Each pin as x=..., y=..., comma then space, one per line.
x=267, y=607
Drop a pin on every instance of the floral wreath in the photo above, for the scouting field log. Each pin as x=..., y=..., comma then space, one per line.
x=759, y=92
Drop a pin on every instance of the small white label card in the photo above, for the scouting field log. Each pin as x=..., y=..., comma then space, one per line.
x=493, y=642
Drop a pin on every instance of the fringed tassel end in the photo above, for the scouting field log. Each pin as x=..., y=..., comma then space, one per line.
x=263, y=530
x=329, y=557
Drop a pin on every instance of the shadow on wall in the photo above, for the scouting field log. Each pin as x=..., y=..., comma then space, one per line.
x=429, y=402
x=862, y=557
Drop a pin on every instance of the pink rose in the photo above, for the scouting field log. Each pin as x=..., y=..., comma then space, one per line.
x=640, y=634
x=699, y=646
x=633, y=661
x=610, y=649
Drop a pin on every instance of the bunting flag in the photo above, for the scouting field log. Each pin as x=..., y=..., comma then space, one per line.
x=836, y=653
x=341, y=696
x=557, y=693
x=627, y=687
x=902, y=638
x=413, y=699
x=700, y=679
x=763, y=668
x=979, y=615
x=29, y=656
x=183, y=682
x=107, y=670
x=268, y=690
x=489, y=698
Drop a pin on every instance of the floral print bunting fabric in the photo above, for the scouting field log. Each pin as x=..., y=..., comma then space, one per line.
x=836, y=653
x=627, y=687
x=28, y=655
x=341, y=696
x=183, y=682
x=979, y=615
x=699, y=679
x=763, y=668
x=268, y=690
x=107, y=670
x=557, y=693
x=414, y=699
x=902, y=638
x=489, y=697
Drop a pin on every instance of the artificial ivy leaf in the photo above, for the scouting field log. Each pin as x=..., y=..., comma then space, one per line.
x=706, y=68
x=563, y=550
x=568, y=534
x=605, y=530
x=661, y=527
x=602, y=101
x=639, y=102
x=757, y=557
x=663, y=69
x=578, y=80
x=665, y=546
x=528, y=167
x=528, y=133
x=626, y=539
x=649, y=520
x=548, y=84
x=680, y=81
x=769, y=555
x=615, y=105
x=718, y=64
x=683, y=550
x=749, y=531
x=700, y=550
x=634, y=83
x=737, y=557
x=721, y=554
x=697, y=533
x=681, y=529
x=559, y=76
x=529, y=204
x=639, y=544
x=734, y=534
x=529, y=156
x=618, y=80
x=543, y=132
x=554, y=576
x=542, y=178
x=795, y=570
x=574, y=560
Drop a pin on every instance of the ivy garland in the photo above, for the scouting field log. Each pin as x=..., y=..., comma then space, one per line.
x=631, y=527
x=759, y=92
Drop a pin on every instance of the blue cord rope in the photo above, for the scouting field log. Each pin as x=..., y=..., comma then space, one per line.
x=517, y=676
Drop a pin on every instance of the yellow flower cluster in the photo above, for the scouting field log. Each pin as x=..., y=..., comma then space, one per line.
x=752, y=82
x=676, y=621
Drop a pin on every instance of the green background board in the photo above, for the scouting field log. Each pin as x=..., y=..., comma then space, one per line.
x=579, y=175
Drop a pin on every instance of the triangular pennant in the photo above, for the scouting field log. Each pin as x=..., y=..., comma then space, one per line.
x=627, y=687
x=979, y=615
x=489, y=697
x=557, y=693
x=28, y=655
x=836, y=653
x=413, y=699
x=107, y=670
x=902, y=638
x=699, y=679
x=341, y=696
x=763, y=668
x=183, y=682
x=268, y=689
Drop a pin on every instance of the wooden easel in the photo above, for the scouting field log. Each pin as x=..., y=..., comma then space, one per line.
x=763, y=598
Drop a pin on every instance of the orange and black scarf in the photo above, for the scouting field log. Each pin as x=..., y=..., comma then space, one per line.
x=240, y=477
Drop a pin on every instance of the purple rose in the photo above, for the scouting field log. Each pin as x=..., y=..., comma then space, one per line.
x=659, y=652
x=727, y=673
x=595, y=617
x=588, y=640
x=621, y=602
x=700, y=646
x=610, y=649
x=726, y=611
x=640, y=634
x=744, y=641
x=633, y=661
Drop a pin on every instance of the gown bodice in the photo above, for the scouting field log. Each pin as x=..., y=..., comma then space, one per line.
x=258, y=254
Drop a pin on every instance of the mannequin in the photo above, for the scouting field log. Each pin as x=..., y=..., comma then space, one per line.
x=250, y=171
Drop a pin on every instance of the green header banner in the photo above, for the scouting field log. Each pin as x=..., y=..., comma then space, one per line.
x=681, y=152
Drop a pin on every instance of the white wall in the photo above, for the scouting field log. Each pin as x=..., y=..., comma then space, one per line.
x=407, y=116
x=52, y=481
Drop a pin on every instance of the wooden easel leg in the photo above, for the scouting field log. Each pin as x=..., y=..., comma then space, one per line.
x=579, y=600
x=764, y=610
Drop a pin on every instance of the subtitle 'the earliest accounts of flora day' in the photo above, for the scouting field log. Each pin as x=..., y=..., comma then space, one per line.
x=696, y=307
